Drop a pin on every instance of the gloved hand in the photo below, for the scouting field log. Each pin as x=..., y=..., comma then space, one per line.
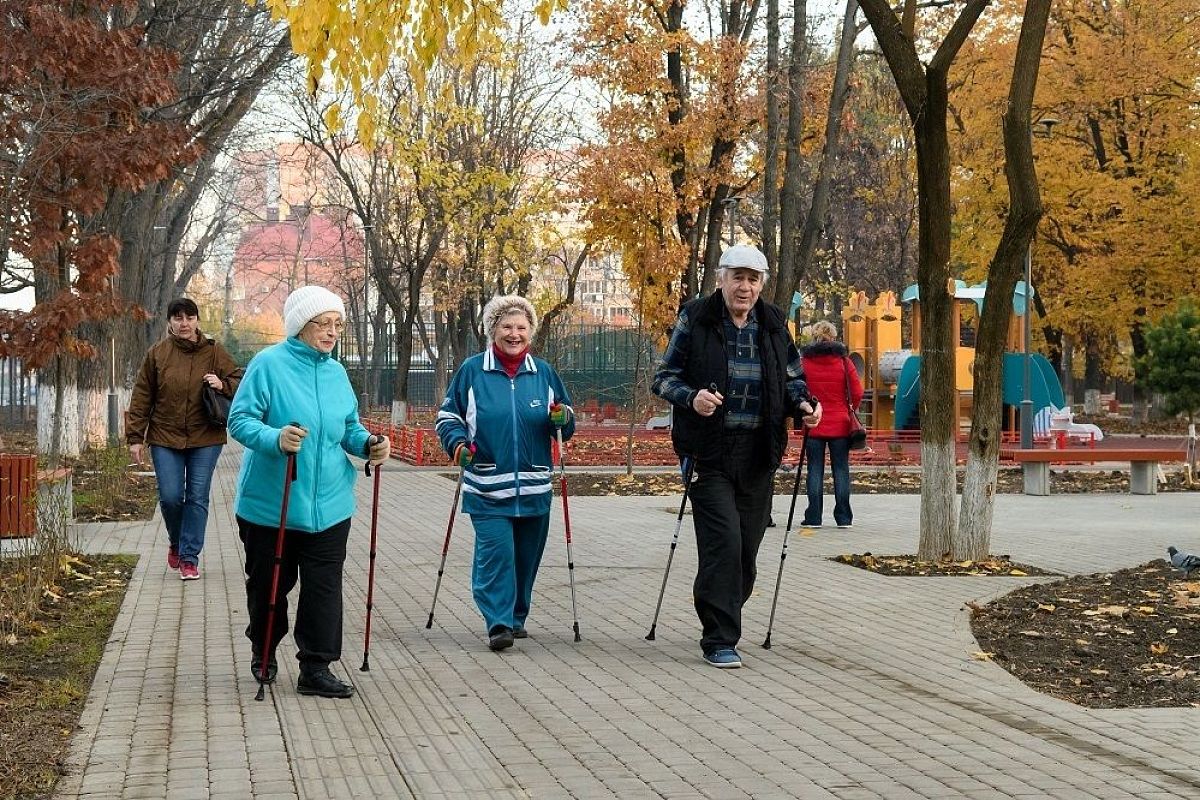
x=558, y=415
x=379, y=450
x=464, y=454
x=290, y=438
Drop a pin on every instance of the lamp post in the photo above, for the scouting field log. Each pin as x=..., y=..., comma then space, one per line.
x=114, y=415
x=731, y=207
x=1027, y=378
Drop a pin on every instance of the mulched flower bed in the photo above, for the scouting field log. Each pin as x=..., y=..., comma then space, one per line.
x=585, y=484
x=1111, y=640
x=912, y=566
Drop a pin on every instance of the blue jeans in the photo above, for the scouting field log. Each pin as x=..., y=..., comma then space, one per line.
x=184, y=481
x=508, y=551
x=839, y=462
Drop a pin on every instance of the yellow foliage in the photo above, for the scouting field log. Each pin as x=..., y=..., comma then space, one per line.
x=355, y=40
x=1118, y=171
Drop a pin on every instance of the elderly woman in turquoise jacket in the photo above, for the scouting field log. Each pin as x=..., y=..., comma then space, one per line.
x=500, y=413
x=295, y=399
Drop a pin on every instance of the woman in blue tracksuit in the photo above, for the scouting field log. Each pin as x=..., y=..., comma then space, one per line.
x=295, y=399
x=500, y=413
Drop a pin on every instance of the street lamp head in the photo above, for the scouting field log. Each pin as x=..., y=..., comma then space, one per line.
x=1048, y=124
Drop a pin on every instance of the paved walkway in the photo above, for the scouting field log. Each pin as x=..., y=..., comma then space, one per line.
x=870, y=690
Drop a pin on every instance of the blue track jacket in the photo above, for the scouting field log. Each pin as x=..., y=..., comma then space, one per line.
x=293, y=382
x=508, y=419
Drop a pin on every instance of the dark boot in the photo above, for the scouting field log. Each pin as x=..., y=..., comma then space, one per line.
x=256, y=669
x=322, y=684
x=500, y=639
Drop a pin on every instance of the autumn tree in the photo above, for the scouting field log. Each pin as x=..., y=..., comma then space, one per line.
x=1023, y=213
x=679, y=107
x=74, y=91
x=454, y=177
x=1119, y=173
x=924, y=88
x=224, y=51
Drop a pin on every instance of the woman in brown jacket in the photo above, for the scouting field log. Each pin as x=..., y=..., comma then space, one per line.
x=167, y=412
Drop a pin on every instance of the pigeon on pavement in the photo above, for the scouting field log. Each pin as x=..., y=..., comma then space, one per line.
x=1184, y=562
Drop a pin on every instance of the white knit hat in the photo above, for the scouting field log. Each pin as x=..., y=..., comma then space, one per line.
x=501, y=306
x=308, y=302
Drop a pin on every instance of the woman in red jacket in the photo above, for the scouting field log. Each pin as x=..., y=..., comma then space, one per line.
x=827, y=367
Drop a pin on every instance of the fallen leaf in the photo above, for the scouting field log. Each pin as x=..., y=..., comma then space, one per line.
x=1047, y=607
x=982, y=656
x=1146, y=609
x=1018, y=573
x=1034, y=634
x=1158, y=648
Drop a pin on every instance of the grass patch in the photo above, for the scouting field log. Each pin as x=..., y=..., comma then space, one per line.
x=47, y=665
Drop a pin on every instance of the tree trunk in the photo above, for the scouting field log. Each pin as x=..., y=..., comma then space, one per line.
x=790, y=194
x=1025, y=210
x=815, y=220
x=938, y=421
x=770, y=203
x=58, y=411
x=924, y=91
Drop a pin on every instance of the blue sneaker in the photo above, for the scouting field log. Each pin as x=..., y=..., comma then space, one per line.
x=724, y=658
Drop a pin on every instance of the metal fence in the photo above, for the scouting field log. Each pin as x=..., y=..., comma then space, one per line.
x=596, y=362
x=18, y=393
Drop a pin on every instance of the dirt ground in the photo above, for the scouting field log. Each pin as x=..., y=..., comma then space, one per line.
x=46, y=669
x=1113, y=640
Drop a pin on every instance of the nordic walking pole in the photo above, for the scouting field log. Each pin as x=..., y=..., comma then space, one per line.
x=446, y=546
x=366, y=665
x=687, y=483
x=562, y=484
x=289, y=475
x=787, y=532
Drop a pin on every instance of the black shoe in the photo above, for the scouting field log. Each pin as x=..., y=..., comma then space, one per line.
x=256, y=669
x=520, y=633
x=502, y=639
x=323, y=684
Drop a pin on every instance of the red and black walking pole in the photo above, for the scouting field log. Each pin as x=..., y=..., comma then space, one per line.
x=289, y=475
x=366, y=665
x=562, y=484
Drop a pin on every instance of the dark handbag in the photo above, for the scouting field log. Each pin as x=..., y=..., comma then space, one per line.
x=858, y=434
x=216, y=406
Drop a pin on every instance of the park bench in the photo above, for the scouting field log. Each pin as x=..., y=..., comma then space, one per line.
x=1143, y=464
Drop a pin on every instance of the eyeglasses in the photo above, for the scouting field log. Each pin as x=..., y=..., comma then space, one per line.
x=335, y=325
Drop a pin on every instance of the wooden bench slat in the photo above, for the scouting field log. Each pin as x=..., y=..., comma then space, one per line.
x=1093, y=455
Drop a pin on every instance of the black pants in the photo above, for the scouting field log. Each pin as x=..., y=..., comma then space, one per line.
x=317, y=560
x=731, y=503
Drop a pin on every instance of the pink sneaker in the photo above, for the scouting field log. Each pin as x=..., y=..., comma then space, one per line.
x=173, y=558
x=189, y=572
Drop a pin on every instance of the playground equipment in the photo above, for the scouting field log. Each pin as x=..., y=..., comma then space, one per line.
x=891, y=373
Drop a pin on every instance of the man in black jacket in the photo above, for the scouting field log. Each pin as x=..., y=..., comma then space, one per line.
x=733, y=374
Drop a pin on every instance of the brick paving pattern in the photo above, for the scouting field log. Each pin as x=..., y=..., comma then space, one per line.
x=870, y=689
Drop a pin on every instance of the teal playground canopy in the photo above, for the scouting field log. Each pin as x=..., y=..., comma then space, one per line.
x=1045, y=391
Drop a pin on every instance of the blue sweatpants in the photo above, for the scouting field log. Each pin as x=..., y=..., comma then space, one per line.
x=508, y=551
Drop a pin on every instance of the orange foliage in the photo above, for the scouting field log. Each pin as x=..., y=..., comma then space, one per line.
x=74, y=89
